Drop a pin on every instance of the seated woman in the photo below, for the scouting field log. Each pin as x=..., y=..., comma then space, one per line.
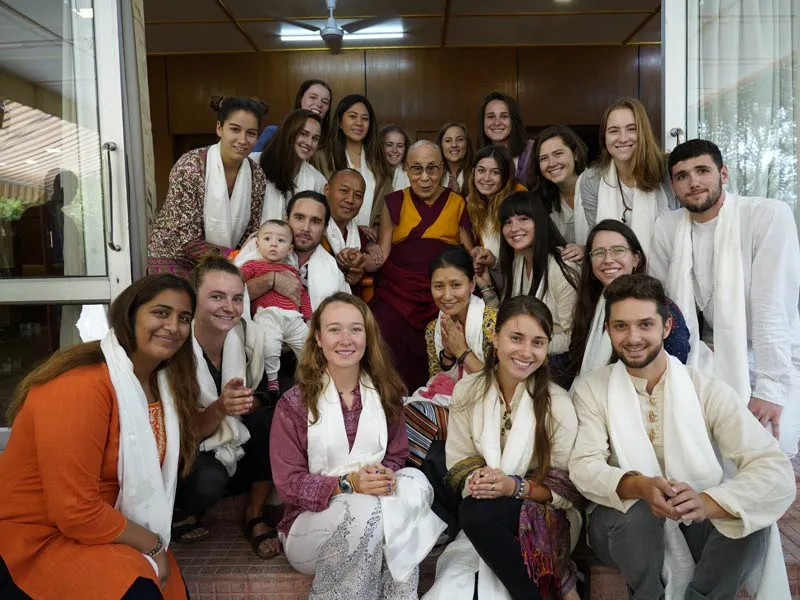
x=314, y=95
x=417, y=225
x=355, y=519
x=560, y=157
x=612, y=250
x=233, y=414
x=394, y=141
x=453, y=138
x=531, y=263
x=511, y=434
x=630, y=182
x=492, y=181
x=285, y=162
x=215, y=195
x=458, y=341
x=90, y=468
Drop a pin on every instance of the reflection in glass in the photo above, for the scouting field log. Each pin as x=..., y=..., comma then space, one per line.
x=51, y=196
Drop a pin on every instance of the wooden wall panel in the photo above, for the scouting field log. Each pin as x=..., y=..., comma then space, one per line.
x=421, y=89
x=159, y=118
x=574, y=85
x=651, y=86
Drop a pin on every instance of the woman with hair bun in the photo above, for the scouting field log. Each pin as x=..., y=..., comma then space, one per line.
x=215, y=195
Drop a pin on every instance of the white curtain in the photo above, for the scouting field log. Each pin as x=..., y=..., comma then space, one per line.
x=743, y=90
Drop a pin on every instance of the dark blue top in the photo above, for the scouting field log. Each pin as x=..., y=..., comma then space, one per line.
x=265, y=136
x=677, y=342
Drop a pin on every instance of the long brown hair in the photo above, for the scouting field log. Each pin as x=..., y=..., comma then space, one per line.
x=180, y=368
x=376, y=362
x=465, y=164
x=484, y=210
x=590, y=289
x=537, y=182
x=649, y=162
x=279, y=161
x=537, y=384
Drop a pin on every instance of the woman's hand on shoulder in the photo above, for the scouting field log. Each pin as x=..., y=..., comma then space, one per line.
x=573, y=253
x=374, y=480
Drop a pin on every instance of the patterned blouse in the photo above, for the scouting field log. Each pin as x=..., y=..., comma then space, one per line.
x=489, y=319
x=177, y=241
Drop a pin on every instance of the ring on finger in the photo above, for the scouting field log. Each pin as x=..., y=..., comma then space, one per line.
x=492, y=487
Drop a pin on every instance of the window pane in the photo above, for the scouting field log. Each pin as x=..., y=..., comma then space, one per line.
x=51, y=196
x=29, y=334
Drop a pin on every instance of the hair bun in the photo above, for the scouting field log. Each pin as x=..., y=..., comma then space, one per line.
x=216, y=103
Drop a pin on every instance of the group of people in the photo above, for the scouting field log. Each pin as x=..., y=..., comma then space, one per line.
x=544, y=343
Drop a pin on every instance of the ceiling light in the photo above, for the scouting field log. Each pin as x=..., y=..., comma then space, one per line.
x=84, y=13
x=311, y=37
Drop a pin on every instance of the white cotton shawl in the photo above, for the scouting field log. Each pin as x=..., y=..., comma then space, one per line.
x=308, y=178
x=324, y=276
x=400, y=179
x=226, y=442
x=598, y=345
x=336, y=239
x=410, y=528
x=729, y=361
x=226, y=218
x=363, y=217
x=522, y=283
x=146, y=486
x=689, y=456
x=473, y=329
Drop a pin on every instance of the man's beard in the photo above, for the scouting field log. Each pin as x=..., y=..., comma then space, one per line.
x=713, y=197
x=642, y=363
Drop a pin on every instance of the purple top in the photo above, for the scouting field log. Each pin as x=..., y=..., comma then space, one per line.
x=288, y=453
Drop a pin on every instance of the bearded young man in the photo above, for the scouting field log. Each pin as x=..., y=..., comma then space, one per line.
x=732, y=265
x=666, y=515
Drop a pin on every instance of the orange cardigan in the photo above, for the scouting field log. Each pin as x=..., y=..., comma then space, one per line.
x=59, y=486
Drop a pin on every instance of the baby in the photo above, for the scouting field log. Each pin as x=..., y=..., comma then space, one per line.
x=282, y=320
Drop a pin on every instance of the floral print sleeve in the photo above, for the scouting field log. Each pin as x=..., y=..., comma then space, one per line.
x=489, y=320
x=433, y=356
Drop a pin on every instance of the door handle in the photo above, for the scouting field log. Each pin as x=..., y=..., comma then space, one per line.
x=108, y=148
x=678, y=133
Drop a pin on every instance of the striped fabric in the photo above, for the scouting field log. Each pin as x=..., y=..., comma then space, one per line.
x=425, y=422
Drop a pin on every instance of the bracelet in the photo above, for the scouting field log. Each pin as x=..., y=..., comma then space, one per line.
x=157, y=548
x=352, y=483
x=519, y=488
x=460, y=360
x=451, y=359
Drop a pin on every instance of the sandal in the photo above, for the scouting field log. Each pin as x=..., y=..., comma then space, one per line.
x=256, y=540
x=179, y=533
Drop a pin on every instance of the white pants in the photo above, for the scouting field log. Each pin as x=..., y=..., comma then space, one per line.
x=342, y=546
x=280, y=326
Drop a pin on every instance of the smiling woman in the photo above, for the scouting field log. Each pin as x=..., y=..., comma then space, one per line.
x=215, y=195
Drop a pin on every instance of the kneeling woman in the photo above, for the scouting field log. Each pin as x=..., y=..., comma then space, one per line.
x=90, y=468
x=354, y=518
x=511, y=434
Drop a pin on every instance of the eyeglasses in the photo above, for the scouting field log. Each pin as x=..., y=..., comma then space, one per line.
x=616, y=252
x=431, y=170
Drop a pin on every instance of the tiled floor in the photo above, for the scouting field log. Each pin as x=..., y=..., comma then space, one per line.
x=225, y=568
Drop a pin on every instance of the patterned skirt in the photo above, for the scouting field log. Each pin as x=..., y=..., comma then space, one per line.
x=425, y=422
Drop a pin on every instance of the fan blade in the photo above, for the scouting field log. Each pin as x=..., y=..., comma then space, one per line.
x=313, y=28
x=334, y=43
x=368, y=22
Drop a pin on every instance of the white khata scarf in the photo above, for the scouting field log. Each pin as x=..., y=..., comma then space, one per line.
x=226, y=218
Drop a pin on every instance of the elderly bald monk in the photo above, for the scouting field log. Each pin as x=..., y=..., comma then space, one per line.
x=417, y=224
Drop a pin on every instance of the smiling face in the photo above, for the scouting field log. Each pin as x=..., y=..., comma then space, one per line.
x=487, y=176
x=220, y=301
x=618, y=260
x=621, y=136
x=521, y=347
x=637, y=331
x=451, y=290
x=307, y=140
x=497, y=121
x=237, y=135
x=519, y=232
x=454, y=144
x=317, y=99
x=394, y=147
x=345, y=194
x=342, y=335
x=274, y=242
x=698, y=183
x=308, y=224
x=355, y=122
x=424, y=168
x=556, y=161
x=161, y=326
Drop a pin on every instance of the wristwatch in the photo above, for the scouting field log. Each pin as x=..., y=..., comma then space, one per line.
x=345, y=485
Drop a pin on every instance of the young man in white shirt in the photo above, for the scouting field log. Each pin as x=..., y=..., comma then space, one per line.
x=666, y=516
x=732, y=264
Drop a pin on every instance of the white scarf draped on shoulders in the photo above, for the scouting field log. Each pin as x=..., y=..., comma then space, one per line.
x=226, y=217
x=410, y=527
x=336, y=239
x=473, y=329
x=324, y=276
x=598, y=345
x=307, y=178
x=363, y=217
x=146, y=486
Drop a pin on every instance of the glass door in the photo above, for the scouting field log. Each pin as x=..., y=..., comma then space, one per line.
x=64, y=234
x=732, y=75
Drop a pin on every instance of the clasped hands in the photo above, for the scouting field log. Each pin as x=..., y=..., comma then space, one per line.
x=375, y=480
x=676, y=500
x=487, y=483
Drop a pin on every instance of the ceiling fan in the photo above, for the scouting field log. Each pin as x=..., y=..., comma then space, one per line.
x=331, y=32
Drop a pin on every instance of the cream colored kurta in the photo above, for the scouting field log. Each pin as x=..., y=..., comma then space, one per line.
x=757, y=496
x=466, y=419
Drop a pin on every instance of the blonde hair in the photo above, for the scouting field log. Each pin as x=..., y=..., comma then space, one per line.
x=376, y=362
x=649, y=162
x=482, y=210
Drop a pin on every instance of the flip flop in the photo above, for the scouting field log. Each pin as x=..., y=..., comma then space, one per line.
x=179, y=533
x=255, y=540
